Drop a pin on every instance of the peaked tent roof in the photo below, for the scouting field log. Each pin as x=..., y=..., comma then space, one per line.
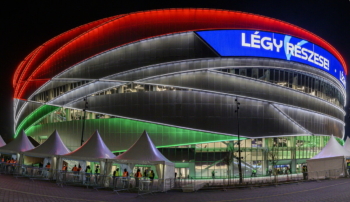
x=93, y=149
x=332, y=149
x=51, y=147
x=2, y=142
x=347, y=144
x=20, y=144
x=143, y=150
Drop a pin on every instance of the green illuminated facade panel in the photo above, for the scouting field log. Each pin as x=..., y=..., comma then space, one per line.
x=119, y=134
x=35, y=117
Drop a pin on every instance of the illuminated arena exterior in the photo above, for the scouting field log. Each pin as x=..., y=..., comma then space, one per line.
x=176, y=73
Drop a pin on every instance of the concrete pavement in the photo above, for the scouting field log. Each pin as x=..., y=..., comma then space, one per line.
x=23, y=189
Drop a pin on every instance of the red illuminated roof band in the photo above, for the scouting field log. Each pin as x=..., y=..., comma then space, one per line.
x=108, y=33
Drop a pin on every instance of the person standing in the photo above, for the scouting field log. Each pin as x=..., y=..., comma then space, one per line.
x=64, y=167
x=75, y=172
x=213, y=174
x=253, y=173
x=47, y=169
x=97, y=174
x=151, y=176
x=88, y=173
x=305, y=172
x=125, y=179
x=75, y=169
x=64, y=172
x=137, y=176
x=125, y=173
x=115, y=177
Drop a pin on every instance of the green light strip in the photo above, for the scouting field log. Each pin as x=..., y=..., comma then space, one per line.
x=164, y=135
x=341, y=141
x=187, y=144
x=32, y=118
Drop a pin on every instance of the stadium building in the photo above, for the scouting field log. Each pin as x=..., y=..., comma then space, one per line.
x=179, y=74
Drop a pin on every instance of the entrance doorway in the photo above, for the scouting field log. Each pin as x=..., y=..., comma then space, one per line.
x=182, y=173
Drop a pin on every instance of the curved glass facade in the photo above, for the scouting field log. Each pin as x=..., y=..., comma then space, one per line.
x=160, y=76
x=301, y=81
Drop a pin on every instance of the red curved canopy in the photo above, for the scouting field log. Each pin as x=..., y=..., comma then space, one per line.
x=88, y=40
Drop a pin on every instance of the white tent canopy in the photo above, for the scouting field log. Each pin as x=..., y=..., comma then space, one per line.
x=332, y=149
x=20, y=144
x=347, y=144
x=2, y=142
x=94, y=149
x=330, y=161
x=53, y=146
x=143, y=151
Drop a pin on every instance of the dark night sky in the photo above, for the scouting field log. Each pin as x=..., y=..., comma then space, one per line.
x=25, y=26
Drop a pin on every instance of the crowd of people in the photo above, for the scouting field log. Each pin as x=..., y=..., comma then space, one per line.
x=117, y=175
x=76, y=172
x=8, y=164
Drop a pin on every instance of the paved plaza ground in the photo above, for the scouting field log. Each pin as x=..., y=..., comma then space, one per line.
x=23, y=189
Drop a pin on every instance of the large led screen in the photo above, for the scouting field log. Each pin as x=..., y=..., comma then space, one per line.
x=273, y=45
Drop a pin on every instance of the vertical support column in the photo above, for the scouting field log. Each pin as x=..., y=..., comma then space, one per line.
x=292, y=148
x=265, y=162
x=68, y=114
x=192, y=169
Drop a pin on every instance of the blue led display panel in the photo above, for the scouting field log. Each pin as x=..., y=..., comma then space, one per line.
x=273, y=45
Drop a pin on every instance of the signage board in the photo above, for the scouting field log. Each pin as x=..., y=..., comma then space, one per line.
x=273, y=45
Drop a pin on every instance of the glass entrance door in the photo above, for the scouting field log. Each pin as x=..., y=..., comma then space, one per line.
x=182, y=173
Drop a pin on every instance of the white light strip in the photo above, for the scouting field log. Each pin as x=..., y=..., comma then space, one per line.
x=20, y=111
x=206, y=131
x=119, y=47
x=289, y=118
x=283, y=87
x=22, y=108
x=113, y=115
x=234, y=75
x=313, y=112
x=82, y=97
x=331, y=82
x=245, y=97
x=194, y=60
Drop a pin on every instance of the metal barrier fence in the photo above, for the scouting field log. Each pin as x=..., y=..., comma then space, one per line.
x=273, y=179
x=94, y=181
x=146, y=186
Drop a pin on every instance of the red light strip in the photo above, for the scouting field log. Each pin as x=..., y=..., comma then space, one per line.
x=120, y=31
x=20, y=67
x=43, y=50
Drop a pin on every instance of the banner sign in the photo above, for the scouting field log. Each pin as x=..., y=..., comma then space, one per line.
x=273, y=45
